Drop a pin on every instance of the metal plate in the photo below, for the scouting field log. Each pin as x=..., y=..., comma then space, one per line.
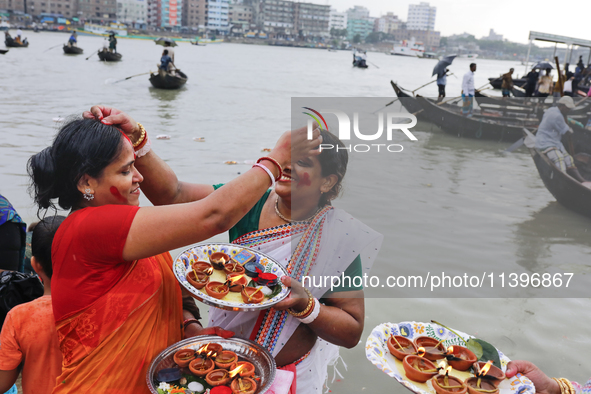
x=250, y=351
x=376, y=351
x=203, y=251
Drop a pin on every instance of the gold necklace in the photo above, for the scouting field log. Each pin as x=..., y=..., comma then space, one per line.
x=290, y=220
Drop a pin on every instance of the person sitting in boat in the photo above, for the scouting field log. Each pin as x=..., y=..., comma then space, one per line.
x=548, y=138
x=168, y=47
x=166, y=63
x=18, y=37
x=72, y=42
x=112, y=43
x=359, y=59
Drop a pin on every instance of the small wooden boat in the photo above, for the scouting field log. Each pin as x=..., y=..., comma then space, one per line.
x=526, y=104
x=409, y=102
x=169, y=81
x=197, y=43
x=3, y=51
x=109, y=56
x=568, y=191
x=11, y=43
x=72, y=50
x=497, y=82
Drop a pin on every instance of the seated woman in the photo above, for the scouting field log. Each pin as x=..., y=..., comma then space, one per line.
x=115, y=299
x=544, y=384
x=298, y=212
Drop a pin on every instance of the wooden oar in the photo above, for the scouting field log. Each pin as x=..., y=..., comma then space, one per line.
x=372, y=64
x=420, y=87
x=137, y=75
x=387, y=105
x=443, y=102
x=517, y=144
x=55, y=46
x=93, y=53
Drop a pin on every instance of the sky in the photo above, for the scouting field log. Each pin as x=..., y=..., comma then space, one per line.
x=511, y=18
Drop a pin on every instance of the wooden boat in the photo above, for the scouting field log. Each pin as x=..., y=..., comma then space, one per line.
x=527, y=104
x=11, y=43
x=568, y=191
x=108, y=56
x=169, y=81
x=360, y=63
x=497, y=82
x=3, y=51
x=72, y=50
x=197, y=43
x=408, y=102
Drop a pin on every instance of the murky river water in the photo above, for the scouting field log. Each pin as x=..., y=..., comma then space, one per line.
x=447, y=202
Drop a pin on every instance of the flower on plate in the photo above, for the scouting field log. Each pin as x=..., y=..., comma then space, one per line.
x=419, y=328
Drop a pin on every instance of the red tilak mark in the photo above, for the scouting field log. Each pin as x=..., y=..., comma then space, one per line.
x=115, y=192
x=305, y=181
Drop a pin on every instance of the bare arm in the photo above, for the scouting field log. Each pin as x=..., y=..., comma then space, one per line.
x=7, y=379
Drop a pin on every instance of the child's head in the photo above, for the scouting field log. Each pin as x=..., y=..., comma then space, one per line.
x=41, y=243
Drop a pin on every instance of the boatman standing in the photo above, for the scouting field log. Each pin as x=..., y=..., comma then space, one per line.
x=112, y=43
x=507, y=85
x=468, y=91
x=548, y=138
x=441, y=82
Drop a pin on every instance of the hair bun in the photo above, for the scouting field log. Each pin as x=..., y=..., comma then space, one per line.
x=41, y=169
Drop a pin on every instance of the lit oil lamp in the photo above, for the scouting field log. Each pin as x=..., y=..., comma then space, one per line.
x=445, y=384
x=218, y=260
x=243, y=386
x=461, y=358
x=210, y=348
x=203, y=266
x=197, y=279
x=434, y=350
x=237, y=280
x=417, y=368
x=217, y=289
x=400, y=346
x=217, y=377
x=183, y=357
x=201, y=366
x=252, y=295
x=482, y=387
x=247, y=369
x=226, y=359
x=487, y=371
x=233, y=267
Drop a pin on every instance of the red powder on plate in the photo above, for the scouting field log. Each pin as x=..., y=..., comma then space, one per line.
x=220, y=390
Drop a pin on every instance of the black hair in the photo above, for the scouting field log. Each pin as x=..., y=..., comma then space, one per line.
x=472, y=65
x=333, y=161
x=165, y=52
x=42, y=239
x=81, y=146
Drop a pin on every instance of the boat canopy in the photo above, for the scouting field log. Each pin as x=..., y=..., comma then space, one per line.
x=570, y=42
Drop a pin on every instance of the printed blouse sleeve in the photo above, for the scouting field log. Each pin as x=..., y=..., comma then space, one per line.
x=103, y=231
x=582, y=389
x=10, y=352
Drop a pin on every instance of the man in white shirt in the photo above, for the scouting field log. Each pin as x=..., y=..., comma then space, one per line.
x=468, y=91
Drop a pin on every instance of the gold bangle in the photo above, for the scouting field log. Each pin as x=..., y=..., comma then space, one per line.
x=308, y=307
x=565, y=385
x=569, y=384
x=142, y=136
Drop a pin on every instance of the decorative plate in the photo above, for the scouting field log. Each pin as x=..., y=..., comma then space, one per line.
x=233, y=301
x=377, y=352
x=250, y=351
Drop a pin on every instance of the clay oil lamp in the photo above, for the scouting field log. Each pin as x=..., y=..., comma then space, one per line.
x=252, y=295
x=197, y=279
x=434, y=350
x=225, y=359
x=445, y=384
x=203, y=266
x=460, y=358
x=483, y=387
x=217, y=289
x=183, y=357
x=217, y=377
x=210, y=349
x=417, y=368
x=400, y=346
x=233, y=267
x=201, y=366
x=237, y=280
x=487, y=371
x=246, y=369
x=243, y=386
x=218, y=260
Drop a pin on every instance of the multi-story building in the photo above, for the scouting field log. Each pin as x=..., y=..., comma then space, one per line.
x=97, y=10
x=206, y=15
x=217, y=15
x=312, y=20
x=338, y=20
x=240, y=17
x=132, y=12
x=165, y=13
x=421, y=16
x=359, y=22
x=492, y=36
x=194, y=14
x=387, y=23
x=66, y=8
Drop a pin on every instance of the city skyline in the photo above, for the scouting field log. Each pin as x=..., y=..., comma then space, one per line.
x=477, y=17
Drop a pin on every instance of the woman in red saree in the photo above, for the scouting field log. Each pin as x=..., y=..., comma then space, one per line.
x=115, y=299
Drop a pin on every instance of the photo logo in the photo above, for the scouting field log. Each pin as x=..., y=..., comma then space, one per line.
x=390, y=119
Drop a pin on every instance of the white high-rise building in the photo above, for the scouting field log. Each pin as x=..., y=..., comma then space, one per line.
x=338, y=20
x=132, y=11
x=421, y=17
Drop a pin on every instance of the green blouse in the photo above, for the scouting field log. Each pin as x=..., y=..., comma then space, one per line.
x=250, y=223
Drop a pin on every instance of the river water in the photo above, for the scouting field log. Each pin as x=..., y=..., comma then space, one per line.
x=449, y=201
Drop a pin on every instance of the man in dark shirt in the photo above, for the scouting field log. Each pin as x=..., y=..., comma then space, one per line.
x=165, y=62
x=532, y=80
x=507, y=85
